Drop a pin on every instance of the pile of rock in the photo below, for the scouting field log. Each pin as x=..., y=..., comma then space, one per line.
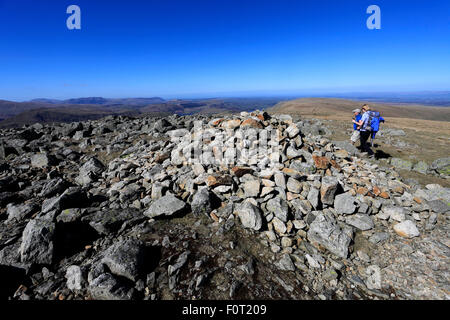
x=124, y=208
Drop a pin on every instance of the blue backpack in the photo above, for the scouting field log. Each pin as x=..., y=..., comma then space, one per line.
x=373, y=124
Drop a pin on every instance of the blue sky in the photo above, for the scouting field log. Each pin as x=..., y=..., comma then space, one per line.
x=193, y=48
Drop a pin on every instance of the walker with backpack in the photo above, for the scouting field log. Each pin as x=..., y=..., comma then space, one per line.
x=373, y=124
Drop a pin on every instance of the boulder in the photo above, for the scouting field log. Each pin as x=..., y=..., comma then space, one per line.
x=249, y=215
x=285, y=263
x=201, y=202
x=251, y=188
x=325, y=231
x=344, y=203
x=106, y=287
x=74, y=278
x=125, y=258
x=279, y=208
x=40, y=160
x=360, y=221
x=90, y=171
x=421, y=167
x=37, y=242
x=441, y=166
x=167, y=206
x=407, y=229
x=401, y=164
x=328, y=189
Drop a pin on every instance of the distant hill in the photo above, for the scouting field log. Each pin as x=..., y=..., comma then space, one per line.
x=15, y=114
x=9, y=109
x=341, y=108
x=103, y=101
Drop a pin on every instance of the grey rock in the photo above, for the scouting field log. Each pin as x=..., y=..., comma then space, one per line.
x=360, y=221
x=401, y=164
x=37, y=242
x=249, y=215
x=106, y=287
x=279, y=208
x=325, y=231
x=90, y=171
x=181, y=261
x=312, y=262
x=51, y=204
x=302, y=207
x=74, y=278
x=441, y=165
x=109, y=221
x=439, y=206
x=294, y=185
x=292, y=131
x=53, y=187
x=344, y=203
x=285, y=263
x=251, y=188
x=40, y=160
x=69, y=215
x=19, y=212
x=351, y=149
x=373, y=280
x=328, y=189
x=421, y=167
x=280, y=180
x=167, y=206
x=125, y=258
x=395, y=213
x=279, y=225
x=407, y=229
x=201, y=202
x=313, y=197
x=379, y=237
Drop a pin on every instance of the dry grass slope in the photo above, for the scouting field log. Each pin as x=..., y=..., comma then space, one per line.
x=340, y=109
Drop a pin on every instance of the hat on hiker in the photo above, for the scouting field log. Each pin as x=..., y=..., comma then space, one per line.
x=356, y=110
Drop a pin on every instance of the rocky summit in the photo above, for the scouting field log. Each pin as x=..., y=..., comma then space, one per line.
x=241, y=206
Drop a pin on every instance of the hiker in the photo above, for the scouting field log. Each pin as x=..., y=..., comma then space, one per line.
x=356, y=117
x=364, y=129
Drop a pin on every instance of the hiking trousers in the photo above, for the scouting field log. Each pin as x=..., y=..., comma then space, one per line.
x=364, y=136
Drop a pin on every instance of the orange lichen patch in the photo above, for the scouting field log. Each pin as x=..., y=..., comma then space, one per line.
x=291, y=172
x=384, y=195
x=217, y=122
x=252, y=123
x=290, y=196
x=231, y=124
x=216, y=180
x=401, y=233
x=376, y=191
x=370, y=194
x=362, y=190
x=335, y=165
x=398, y=190
x=214, y=217
x=418, y=200
x=321, y=162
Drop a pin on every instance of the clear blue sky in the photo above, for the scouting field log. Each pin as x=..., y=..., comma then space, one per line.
x=192, y=48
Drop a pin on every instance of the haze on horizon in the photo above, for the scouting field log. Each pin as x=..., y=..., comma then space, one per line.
x=196, y=49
